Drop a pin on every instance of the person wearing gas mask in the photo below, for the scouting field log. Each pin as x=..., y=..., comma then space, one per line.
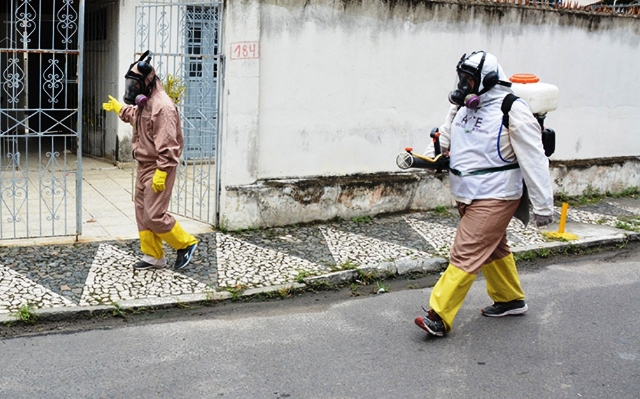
x=488, y=163
x=157, y=145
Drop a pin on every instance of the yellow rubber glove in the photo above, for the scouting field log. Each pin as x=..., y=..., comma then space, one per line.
x=157, y=183
x=112, y=105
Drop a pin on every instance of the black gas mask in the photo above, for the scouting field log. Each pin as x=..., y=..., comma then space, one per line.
x=136, y=92
x=467, y=91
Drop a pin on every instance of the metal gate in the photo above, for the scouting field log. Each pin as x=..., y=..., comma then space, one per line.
x=185, y=38
x=40, y=134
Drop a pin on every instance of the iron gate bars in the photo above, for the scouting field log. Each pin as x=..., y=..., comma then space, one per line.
x=185, y=41
x=40, y=88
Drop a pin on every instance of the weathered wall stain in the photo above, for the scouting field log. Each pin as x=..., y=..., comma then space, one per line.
x=489, y=13
x=289, y=201
x=588, y=163
x=308, y=191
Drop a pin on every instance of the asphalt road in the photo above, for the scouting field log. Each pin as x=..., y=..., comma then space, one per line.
x=580, y=339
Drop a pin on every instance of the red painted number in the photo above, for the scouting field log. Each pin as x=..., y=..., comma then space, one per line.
x=244, y=51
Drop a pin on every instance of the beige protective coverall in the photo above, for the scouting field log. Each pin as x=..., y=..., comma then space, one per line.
x=157, y=144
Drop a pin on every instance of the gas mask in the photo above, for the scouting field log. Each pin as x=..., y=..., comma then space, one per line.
x=136, y=90
x=464, y=94
x=468, y=87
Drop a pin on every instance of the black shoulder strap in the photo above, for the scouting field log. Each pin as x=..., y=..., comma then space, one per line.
x=506, y=107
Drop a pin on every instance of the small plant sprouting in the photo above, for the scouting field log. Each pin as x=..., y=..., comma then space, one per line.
x=629, y=225
x=544, y=253
x=322, y=285
x=236, y=291
x=223, y=226
x=591, y=195
x=27, y=314
x=249, y=229
x=182, y=305
x=380, y=287
x=347, y=265
x=525, y=256
x=286, y=292
x=302, y=274
x=118, y=311
x=365, y=277
x=631, y=192
x=355, y=289
x=441, y=210
x=361, y=219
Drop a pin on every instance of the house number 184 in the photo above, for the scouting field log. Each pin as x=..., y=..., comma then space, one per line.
x=244, y=50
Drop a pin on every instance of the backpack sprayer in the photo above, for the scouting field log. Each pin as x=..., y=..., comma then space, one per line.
x=541, y=98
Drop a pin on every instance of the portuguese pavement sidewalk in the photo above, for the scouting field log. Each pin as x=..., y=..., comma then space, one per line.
x=59, y=277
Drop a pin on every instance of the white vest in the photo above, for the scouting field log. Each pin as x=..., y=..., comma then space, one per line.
x=475, y=146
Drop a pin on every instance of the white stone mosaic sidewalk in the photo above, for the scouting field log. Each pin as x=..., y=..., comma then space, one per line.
x=240, y=264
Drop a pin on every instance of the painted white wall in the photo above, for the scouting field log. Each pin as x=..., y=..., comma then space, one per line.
x=124, y=58
x=343, y=91
x=241, y=106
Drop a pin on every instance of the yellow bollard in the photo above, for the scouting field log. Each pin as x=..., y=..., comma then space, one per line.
x=563, y=217
x=563, y=222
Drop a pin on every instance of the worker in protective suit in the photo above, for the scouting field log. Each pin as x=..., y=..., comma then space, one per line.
x=157, y=145
x=488, y=163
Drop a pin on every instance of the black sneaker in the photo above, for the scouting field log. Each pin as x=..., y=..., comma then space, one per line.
x=499, y=309
x=184, y=256
x=142, y=265
x=431, y=323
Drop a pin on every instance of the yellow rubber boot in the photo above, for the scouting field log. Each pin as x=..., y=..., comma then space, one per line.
x=178, y=238
x=449, y=292
x=151, y=244
x=503, y=283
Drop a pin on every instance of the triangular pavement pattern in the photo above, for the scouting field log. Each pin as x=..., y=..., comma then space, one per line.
x=438, y=235
x=112, y=279
x=441, y=237
x=242, y=264
x=17, y=291
x=362, y=250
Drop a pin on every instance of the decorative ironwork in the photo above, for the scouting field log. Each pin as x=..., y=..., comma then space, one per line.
x=53, y=77
x=25, y=17
x=163, y=31
x=52, y=187
x=14, y=188
x=178, y=196
x=202, y=181
x=13, y=77
x=39, y=119
x=142, y=33
x=67, y=22
x=185, y=41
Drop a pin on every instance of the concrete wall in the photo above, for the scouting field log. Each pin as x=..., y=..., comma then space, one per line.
x=123, y=57
x=320, y=96
x=344, y=86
